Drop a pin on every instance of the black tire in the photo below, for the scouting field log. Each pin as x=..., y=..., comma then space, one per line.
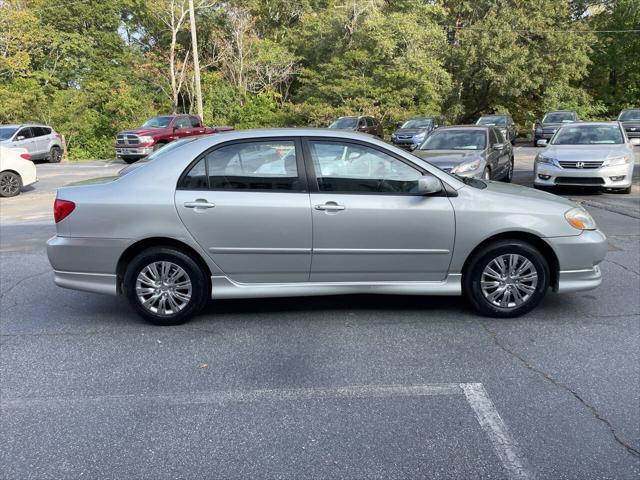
x=623, y=191
x=10, y=184
x=129, y=160
x=486, y=174
x=55, y=155
x=195, y=274
x=509, y=175
x=473, y=274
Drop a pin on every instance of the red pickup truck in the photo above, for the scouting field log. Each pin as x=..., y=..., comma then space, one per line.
x=132, y=145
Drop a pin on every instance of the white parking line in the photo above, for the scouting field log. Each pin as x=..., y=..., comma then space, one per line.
x=503, y=443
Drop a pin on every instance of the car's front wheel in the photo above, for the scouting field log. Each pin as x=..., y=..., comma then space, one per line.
x=10, y=184
x=165, y=286
x=509, y=175
x=506, y=278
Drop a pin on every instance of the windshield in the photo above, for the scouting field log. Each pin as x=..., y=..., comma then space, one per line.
x=346, y=122
x=492, y=121
x=558, y=117
x=629, y=115
x=7, y=132
x=158, y=122
x=455, y=140
x=588, y=135
x=417, y=123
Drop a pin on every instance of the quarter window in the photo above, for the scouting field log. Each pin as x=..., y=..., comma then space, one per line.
x=354, y=168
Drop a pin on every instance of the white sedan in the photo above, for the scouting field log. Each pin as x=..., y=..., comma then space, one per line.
x=16, y=171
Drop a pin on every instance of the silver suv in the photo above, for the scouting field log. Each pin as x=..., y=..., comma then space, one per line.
x=40, y=141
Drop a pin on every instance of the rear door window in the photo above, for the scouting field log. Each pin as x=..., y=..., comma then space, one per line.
x=195, y=122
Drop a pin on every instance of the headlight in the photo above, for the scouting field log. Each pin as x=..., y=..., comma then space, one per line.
x=612, y=162
x=547, y=160
x=146, y=139
x=466, y=167
x=579, y=218
x=419, y=136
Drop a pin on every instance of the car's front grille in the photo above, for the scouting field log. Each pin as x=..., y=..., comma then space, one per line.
x=127, y=139
x=405, y=137
x=579, y=164
x=579, y=181
x=633, y=131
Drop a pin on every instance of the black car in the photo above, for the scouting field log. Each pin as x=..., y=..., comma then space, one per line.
x=413, y=132
x=630, y=119
x=504, y=122
x=549, y=125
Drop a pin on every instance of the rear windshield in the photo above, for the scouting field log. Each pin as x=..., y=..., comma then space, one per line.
x=558, y=117
x=455, y=140
x=492, y=121
x=7, y=132
x=348, y=122
x=588, y=135
x=629, y=115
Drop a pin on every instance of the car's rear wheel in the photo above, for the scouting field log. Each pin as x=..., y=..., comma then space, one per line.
x=10, y=184
x=129, y=160
x=165, y=286
x=55, y=155
x=506, y=278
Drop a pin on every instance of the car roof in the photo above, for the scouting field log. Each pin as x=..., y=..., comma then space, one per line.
x=609, y=123
x=561, y=111
x=19, y=125
x=466, y=127
x=495, y=115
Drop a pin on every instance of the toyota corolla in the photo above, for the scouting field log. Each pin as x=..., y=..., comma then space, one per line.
x=299, y=212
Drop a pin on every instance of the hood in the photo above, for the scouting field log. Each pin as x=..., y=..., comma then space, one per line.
x=631, y=123
x=447, y=159
x=553, y=125
x=521, y=192
x=585, y=153
x=143, y=131
x=411, y=131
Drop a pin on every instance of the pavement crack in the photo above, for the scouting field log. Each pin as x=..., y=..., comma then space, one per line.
x=594, y=411
x=15, y=285
x=623, y=266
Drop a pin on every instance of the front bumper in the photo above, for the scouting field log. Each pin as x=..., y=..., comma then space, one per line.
x=619, y=176
x=579, y=258
x=133, y=152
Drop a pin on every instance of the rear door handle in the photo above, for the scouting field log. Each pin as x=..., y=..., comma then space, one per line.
x=330, y=207
x=199, y=204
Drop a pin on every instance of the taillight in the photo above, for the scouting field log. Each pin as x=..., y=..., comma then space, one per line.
x=62, y=209
x=26, y=156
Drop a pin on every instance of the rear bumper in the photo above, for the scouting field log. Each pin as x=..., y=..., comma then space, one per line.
x=104, y=283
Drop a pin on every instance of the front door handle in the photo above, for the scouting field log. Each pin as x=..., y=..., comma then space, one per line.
x=330, y=207
x=199, y=203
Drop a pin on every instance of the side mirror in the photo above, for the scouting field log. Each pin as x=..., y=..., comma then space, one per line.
x=428, y=185
x=542, y=142
x=20, y=137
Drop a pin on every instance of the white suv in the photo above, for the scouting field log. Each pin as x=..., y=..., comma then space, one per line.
x=40, y=141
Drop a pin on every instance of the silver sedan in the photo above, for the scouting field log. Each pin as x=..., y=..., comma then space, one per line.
x=596, y=154
x=299, y=212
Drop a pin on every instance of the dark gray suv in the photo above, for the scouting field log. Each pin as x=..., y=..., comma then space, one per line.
x=504, y=122
x=549, y=125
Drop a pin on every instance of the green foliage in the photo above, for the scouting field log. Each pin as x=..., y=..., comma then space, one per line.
x=91, y=69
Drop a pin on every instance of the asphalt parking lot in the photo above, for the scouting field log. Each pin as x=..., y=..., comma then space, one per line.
x=328, y=387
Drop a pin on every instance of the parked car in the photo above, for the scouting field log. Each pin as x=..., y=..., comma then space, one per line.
x=590, y=154
x=41, y=142
x=414, y=131
x=155, y=133
x=197, y=223
x=504, y=122
x=16, y=171
x=550, y=124
x=362, y=124
x=469, y=151
x=630, y=119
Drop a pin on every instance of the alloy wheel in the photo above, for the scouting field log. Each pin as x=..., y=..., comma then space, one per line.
x=163, y=288
x=9, y=184
x=508, y=281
